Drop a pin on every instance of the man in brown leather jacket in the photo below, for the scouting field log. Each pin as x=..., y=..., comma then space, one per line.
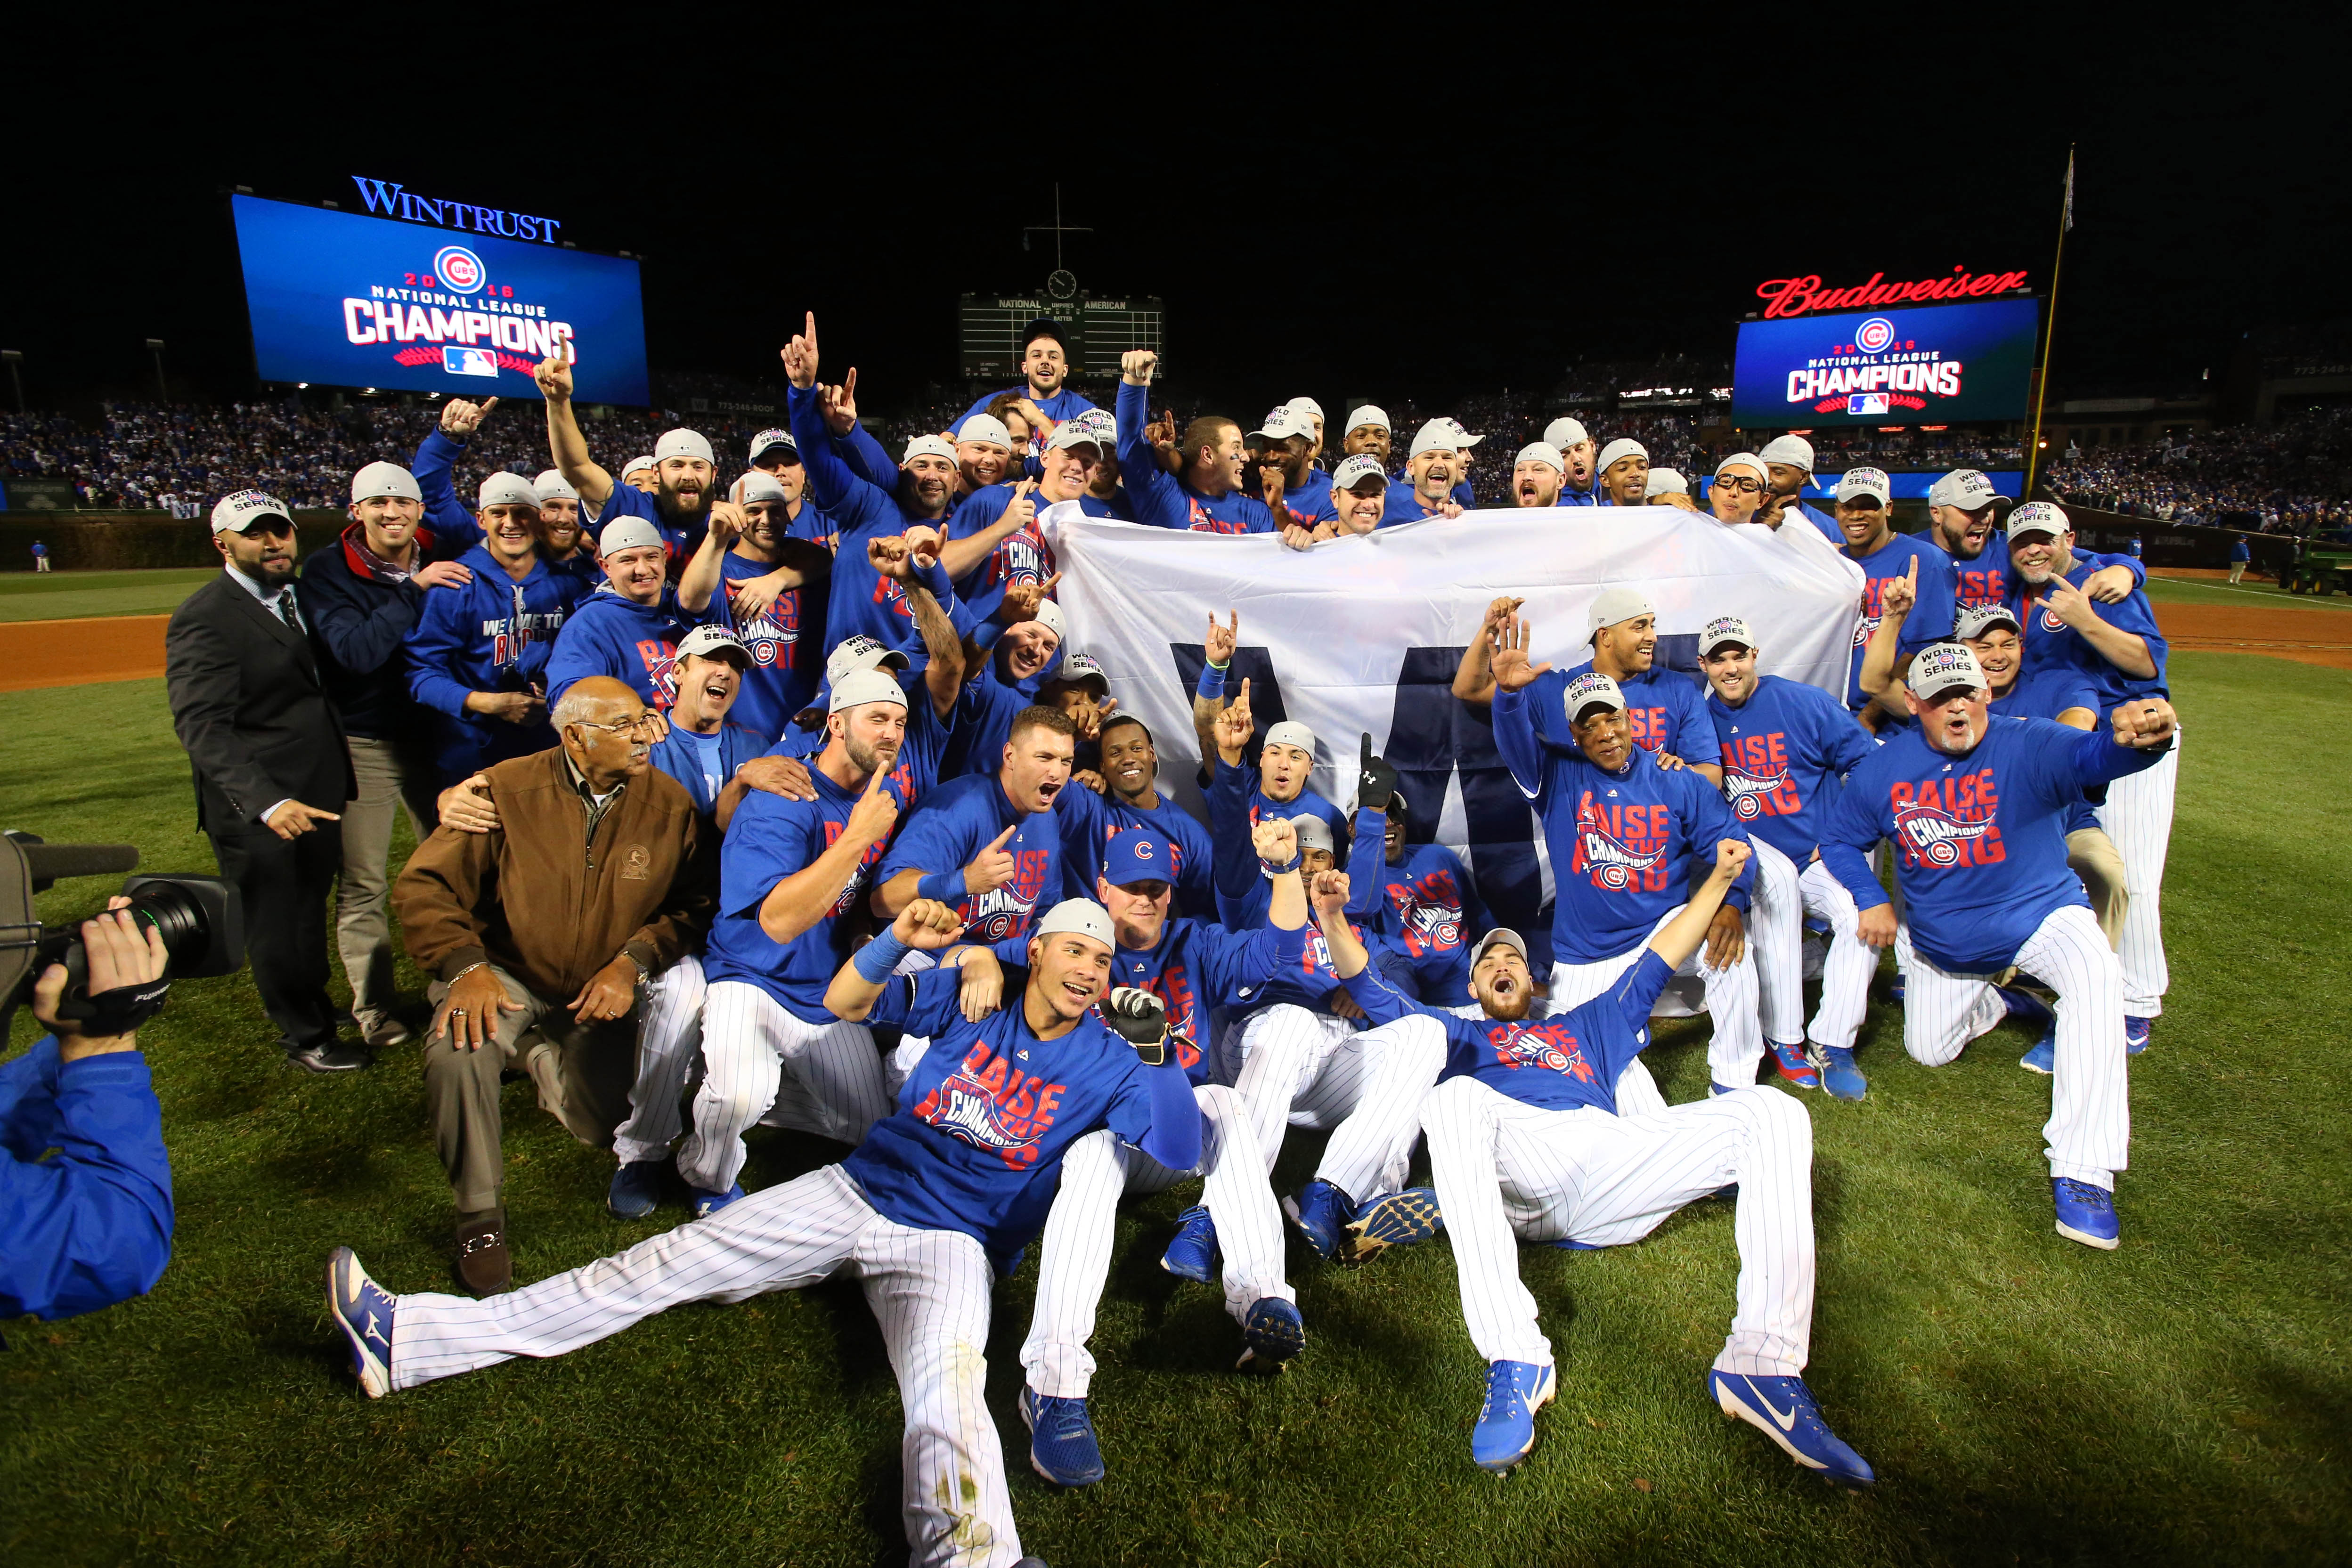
x=540, y=935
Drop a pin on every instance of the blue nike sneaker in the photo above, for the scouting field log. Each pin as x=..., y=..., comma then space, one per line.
x=1321, y=1212
x=2135, y=1035
x=1193, y=1254
x=1713, y=1088
x=1400, y=1219
x=1796, y=1070
x=2026, y=1005
x=2086, y=1214
x=363, y=1310
x=2044, y=1057
x=1516, y=1390
x=1272, y=1333
x=635, y=1191
x=1840, y=1076
x=1782, y=1409
x=707, y=1203
x=1062, y=1446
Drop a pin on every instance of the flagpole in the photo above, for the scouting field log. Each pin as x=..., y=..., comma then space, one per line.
x=2049, y=335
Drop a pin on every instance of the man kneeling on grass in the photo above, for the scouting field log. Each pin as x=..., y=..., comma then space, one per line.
x=1527, y=1143
x=957, y=1180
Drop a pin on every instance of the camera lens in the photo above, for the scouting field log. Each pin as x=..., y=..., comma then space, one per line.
x=178, y=918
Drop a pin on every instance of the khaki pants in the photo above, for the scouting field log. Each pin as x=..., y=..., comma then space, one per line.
x=2237, y=570
x=2092, y=856
x=389, y=776
x=582, y=1071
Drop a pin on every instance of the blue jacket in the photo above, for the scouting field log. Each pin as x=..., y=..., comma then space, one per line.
x=492, y=636
x=358, y=626
x=636, y=643
x=452, y=521
x=679, y=757
x=92, y=1225
x=1161, y=499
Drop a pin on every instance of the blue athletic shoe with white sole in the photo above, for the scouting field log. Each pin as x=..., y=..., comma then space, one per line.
x=1516, y=1390
x=2026, y=1005
x=1782, y=1409
x=1713, y=1088
x=707, y=1203
x=1795, y=1069
x=635, y=1191
x=1321, y=1213
x=363, y=1310
x=2044, y=1057
x=1272, y=1333
x=1062, y=1446
x=1840, y=1076
x=2135, y=1035
x=2086, y=1214
x=1193, y=1254
x=1400, y=1219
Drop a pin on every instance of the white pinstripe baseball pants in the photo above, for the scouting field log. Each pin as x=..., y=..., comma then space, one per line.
x=1736, y=1046
x=2138, y=817
x=1073, y=1260
x=748, y=1040
x=1371, y=1151
x=669, y=1037
x=1785, y=895
x=929, y=1290
x=1295, y=1069
x=2089, y=1130
x=1509, y=1172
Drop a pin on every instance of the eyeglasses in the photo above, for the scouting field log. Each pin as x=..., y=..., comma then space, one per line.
x=1743, y=487
x=644, y=723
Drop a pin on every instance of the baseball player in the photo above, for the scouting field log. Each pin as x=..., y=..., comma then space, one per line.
x=1309, y=416
x=1190, y=968
x=1418, y=897
x=1240, y=797
x=706, y=745
x=454, y=527
x=1785, y=747
x=993, y=539
x=2241, y=554
x=1621, y=831
x=1358, y=498
x=1568, y=437
x=1011, y=677
x=983, y=453
x=1862, y=517
x=1105, y=497
x=1045, y=370
x=988, y=844
x=639, y=473
x=685, y=475
x=1788, y=464
x=629, y=628
x=1205, y=495
x=1533, y=1136
x=477, y=656
x=2117, y=645
x=1667, y=487
x=1668, y=713
x=943, y=1192
x=1741, y=482
x=772, y=580
x=1432, y=468
x=791, y=874
x=1368, y=435
x=563, y=538
x=1130, y=802
x=1298, y=493
x=1976, y=808
x=1624, y=474
x=1963, y=516
x=1538, y=474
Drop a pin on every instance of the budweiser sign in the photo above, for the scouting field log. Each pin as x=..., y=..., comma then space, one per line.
x=1803, y=296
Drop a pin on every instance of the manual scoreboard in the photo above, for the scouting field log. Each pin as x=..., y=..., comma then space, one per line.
x=989, y=328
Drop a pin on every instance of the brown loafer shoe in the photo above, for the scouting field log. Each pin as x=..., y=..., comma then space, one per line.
x=483, y=1265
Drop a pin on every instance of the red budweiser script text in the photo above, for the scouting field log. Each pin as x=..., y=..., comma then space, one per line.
x=1803, y=296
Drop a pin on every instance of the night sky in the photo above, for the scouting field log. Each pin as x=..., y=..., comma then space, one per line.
x=1379, y=218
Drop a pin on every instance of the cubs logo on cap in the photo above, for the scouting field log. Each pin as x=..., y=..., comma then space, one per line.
x=1723, y=631
x=1942, y=668
x=2038, y=517
x=1140, y=855
x=235, y=514
x=1591, y=690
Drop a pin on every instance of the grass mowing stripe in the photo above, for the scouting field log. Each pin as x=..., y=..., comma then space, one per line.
x=2183, y=1400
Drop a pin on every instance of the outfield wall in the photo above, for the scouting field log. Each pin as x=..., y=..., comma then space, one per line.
x=119, y=541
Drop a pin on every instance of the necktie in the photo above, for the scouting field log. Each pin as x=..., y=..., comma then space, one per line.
x=286, y=609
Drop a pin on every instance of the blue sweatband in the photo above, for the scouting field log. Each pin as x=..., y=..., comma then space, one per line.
x=946, y=886
x=880, y=958
x=1212, y=683
x=1270, y=869
x=932, y=578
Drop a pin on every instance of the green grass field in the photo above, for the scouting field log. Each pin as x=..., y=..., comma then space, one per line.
x=2024, y=1399
x=71, y=595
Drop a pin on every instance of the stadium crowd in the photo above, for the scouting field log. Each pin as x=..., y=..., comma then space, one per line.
x=2289, y=479
x=757, y=783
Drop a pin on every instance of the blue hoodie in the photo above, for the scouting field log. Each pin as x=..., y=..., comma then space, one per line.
x=494, y=634
x=453, y=522
x=636, y=643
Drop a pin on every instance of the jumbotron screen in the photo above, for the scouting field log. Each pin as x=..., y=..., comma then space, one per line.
x=1939, y=365
x=345, y=299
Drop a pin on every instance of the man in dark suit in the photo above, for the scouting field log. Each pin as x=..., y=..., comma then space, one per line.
x=272, y=774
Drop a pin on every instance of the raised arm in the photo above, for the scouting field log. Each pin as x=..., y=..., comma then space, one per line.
x=699, y=583
x=925, y=926
x=1514, y=722
x=1878, y=655
x=565, y=444
x=1158, y=499
x=1678, y=939
x=803, y=898
x=1474, y=678
x=2125, y=650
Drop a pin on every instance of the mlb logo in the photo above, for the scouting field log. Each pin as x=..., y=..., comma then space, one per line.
x=460, y=361
x=1866, y=402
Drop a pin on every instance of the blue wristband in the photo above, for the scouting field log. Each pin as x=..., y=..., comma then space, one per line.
x=1271, y=869
x=933, y=579
x=1212, y=683
x=880, y=958
x=946, y=886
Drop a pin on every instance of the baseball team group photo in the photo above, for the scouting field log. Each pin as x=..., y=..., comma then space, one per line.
x=792, y=897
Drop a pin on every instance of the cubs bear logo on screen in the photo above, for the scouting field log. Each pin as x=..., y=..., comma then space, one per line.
x=1874, y=334
x=458, y=269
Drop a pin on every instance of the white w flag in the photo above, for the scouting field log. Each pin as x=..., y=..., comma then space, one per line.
x=1361, y=636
